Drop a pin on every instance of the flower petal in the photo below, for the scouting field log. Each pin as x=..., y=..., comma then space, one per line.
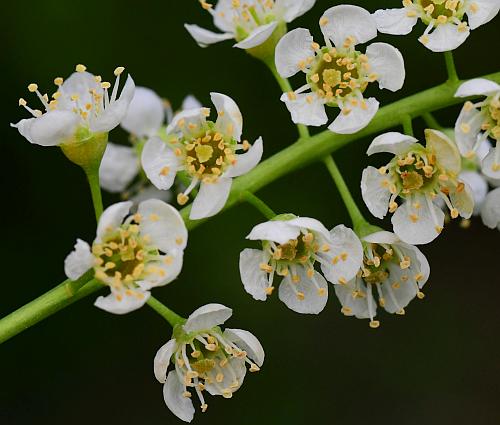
x=478, y=185
x=162, y=360
x=206, y=317
x=306, y=108
x=399, y=290
x=247, y=342
x=119, y=166
x=229, y=118
x=112, y=217
x=292, y=9
x=188, y=122
x=381, y=237
x=191, y=102
x=444, y=38
x=491, y=163
x=395, y=21
x=308, y=296
x=341, y=22
x=230, y=381
x=211, y=198
x=258, y=36
x=392, y=142
x=145, y=114
x=446, y=151
x=51, y=129
x=160, y=163
x=253, y=278
x=467, y=129
x=180, y=406
x=125, y=304
x=490, y=212
x=357, y=119
x=418, y=262
x=163, y=271
x=79, y=261
x=163, y=224
x=477, y=87
x=292, y=52
x=463, y=201
x=247, y=161
x=479, y=12
x=205, y=37
x=306, y=223
x=354, y=299
x=275, y=230
x=151, y=192
x=375, y=189
x=387, y=62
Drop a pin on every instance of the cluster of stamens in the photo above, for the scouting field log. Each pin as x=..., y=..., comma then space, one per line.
x=206, y=360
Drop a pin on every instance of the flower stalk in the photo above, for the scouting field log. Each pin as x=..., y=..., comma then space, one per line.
x=95, y=190
x=260, y=205
x=450, y=67
x=170, y=316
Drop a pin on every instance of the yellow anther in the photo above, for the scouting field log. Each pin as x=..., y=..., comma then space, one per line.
x=454, y=213
x=22, y=102
x=33, y=87
x=269, y=290
x=374, y=324
x=105, y=85
x=80, y=68
x=300, y=296
x=58, y=81
x=323, y=21
x=347, y=311
x=164, y=171
x=118, y=70
x=182, y=199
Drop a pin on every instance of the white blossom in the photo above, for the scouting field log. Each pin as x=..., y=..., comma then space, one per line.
x=206, y=151
x=204, y=358
x=131, y=253
x=291, y=246
x=490, y=211
x=250, y=22
x=419, y=176
x=392, y=271
x=80, y=107
x=338, y=74
x=448, y=21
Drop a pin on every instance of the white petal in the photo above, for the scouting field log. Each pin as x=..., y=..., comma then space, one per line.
x=467, y=129
x=112, y=217
x=125, y=305
x=206, y=317
x=394, y=21
x=382, y=237
x=418, y=261
x=292, y=9
x=162, y=360
x=490, y=212
x=387, y=62
x=211, y=198
x=186, y=120
x=247, y=161
x=205, y=37
x=229, y=119
x=424, y=229
x=482, y=12
x=312, y=302
x=51, y=129
x=253, y=278
x=357, y=119
x=247, y=342
x=446, y=151
x=180, y=406
x=223, y=16
x=477, y=87
x=292, y=51
x=163, y=271
x=118, y=168
x=145, y=113
x=151, y=192
x=160, y=163
x=163, y=224
x=398, y=290
x=392, y=142
x=375, y=191
x=445, y=37
x=348, y=21
x=347, y=250
x=355, y=305
x=79, y=261
x=276, y=230
x=463, y=201
x=490, y=167
x=258, y=36
x=231, y=381
x=190, y=102
x=307, y=223
x=306, y=108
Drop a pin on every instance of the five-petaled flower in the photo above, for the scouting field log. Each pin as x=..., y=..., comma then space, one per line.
x=206, y=151
x=205, y=359
x=447, y=26
x=393, y=269
x=132, y=253
x=479, y=121
x=337, y=75
x=291, y=246
x=418, y=175
x=80, y=108
x=250, y=22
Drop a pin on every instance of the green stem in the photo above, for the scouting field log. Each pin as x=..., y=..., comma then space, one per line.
x=450, y=67
x=354, y=212
x=431, y=121
x=408, y=125
x=95, y=189
x=259, y=205
x=169, y=315
x=44, y=306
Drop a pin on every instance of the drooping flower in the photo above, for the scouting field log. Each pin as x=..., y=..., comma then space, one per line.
x=490, y=211
x=448, y=21
x=206, y=151
x=392, y=270
x=419, y=176
x=250, y=22
x=291, y=247
x=337, y=74
x=80, y=109
x=131, y=253
x=480, y=121
x=205, y=358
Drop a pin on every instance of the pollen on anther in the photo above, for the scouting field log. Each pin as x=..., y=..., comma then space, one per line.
x=118, y=70
x=80, y=68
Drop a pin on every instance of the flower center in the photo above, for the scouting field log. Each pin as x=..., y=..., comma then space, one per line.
x=300, y=250
x=416, y=171
x=492, y=122
x=246, y=17
x=441, y=10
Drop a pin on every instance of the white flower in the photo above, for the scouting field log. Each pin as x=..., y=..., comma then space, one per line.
x=490, y=212
x=206, y=151
x=250, y=22
x=119, y=166
x=291, y=247
x=447, y=26
x=81, y=107
x=392, y=269
x=419, y=176
x=337, y=75
x=131, y=253
x=480, y=121
x=205, y=358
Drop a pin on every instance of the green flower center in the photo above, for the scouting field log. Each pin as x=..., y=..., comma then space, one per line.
x=492, y=122
x=296, y=251
x=415, y=172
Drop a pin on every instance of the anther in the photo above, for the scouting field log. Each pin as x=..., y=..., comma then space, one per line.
x=80, y=68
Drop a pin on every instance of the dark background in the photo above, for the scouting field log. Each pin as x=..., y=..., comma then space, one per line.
x=439, y=364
